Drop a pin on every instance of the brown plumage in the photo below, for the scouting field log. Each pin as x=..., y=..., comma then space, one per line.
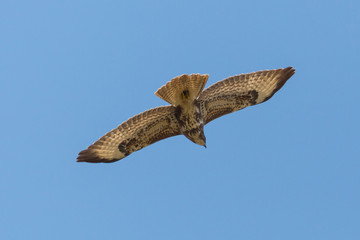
x=189, y=86
x=191, y=108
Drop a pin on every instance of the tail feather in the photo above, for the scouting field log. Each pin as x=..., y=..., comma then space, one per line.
x=181, y=89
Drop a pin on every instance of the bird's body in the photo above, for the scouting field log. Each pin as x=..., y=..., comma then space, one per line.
x=191, y=121
x=191, y=108
x=183, y=92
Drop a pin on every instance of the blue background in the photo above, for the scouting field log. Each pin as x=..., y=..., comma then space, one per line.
x=72, y=70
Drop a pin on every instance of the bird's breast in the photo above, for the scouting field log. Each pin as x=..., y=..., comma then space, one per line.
x=189, y=117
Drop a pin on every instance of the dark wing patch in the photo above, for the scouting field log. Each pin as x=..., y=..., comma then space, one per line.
x=240, y=91
x=132, y=135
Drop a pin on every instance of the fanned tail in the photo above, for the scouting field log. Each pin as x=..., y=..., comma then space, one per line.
x=182, y=89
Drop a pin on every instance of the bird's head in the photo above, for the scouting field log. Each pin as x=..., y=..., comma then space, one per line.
x=197, y=136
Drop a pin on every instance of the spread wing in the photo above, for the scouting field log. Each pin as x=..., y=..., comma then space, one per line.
x=132, y=135
x=240, y=91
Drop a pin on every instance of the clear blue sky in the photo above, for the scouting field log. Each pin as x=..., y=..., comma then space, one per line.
x=72, y=70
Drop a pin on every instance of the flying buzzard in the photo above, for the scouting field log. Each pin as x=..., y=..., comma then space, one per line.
x=190, y=109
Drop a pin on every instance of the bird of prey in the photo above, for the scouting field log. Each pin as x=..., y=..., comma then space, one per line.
x=191, y=108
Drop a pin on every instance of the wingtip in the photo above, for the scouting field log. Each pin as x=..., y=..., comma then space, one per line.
x=91, y=157
x=287, y=73
x=291, y=70
x=80, y=159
